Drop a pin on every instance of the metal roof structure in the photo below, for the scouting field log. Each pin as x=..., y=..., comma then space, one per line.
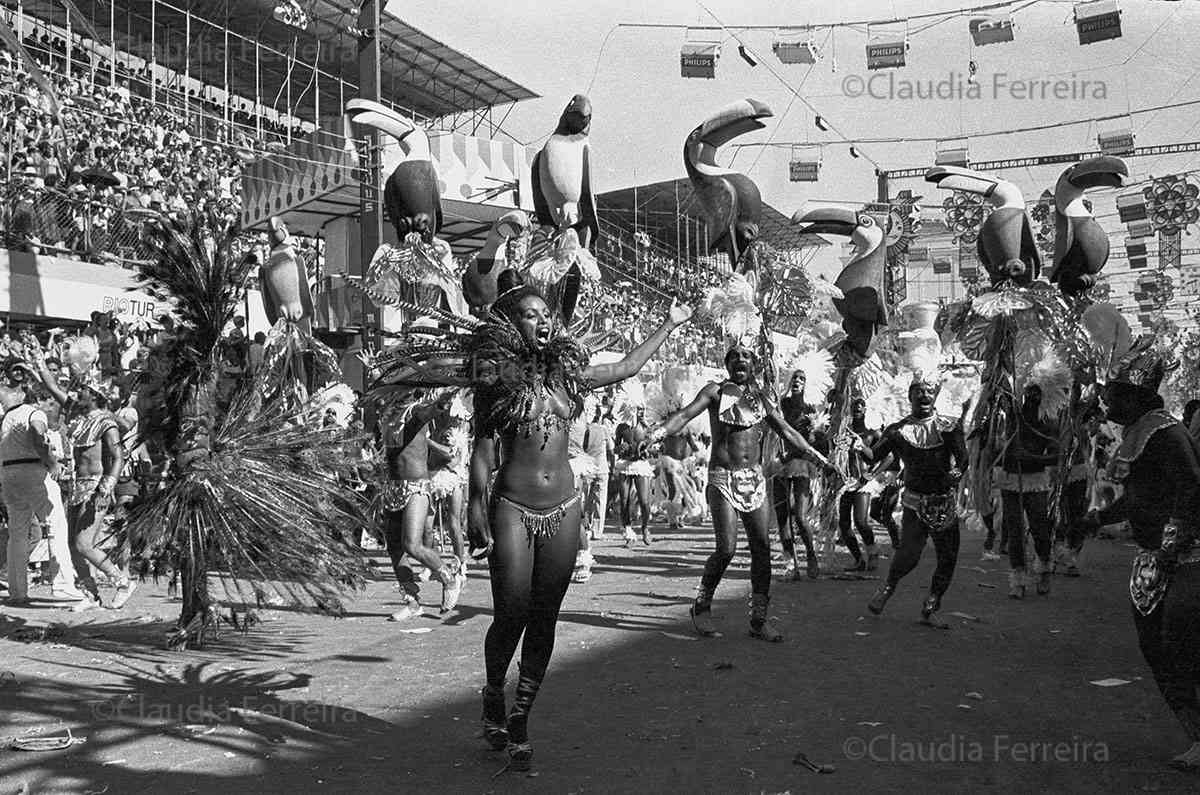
x=668, y=212
x=418, y=73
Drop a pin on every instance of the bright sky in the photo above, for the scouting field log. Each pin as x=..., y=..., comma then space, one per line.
x=643, y=109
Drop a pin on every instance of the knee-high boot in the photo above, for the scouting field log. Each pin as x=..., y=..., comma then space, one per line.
x=702, y=612
x=762, y=627
x=520, y=750
x=495, y=728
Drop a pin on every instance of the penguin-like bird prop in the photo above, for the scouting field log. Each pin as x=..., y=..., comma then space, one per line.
x=410, y=195
x=862, y=304
x=285, y=290
x=1080, y=244
x=1006, y=245
x=730, y=201
x=562, y=179
x=479, y=279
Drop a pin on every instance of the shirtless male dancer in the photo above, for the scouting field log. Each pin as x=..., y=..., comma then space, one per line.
x=791, y=486
x=737, y=413
x=405, y=500
x=855, y=503
x=675, y=450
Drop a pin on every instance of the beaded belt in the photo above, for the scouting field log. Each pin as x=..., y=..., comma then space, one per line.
x=934, y=510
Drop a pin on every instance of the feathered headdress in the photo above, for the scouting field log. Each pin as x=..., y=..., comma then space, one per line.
x=1053, y=378
x=734, y=310
x=630, y=396
x=926, y=367
x=1144, y=365
x=818, y=367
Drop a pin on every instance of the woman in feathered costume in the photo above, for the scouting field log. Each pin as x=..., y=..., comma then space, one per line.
x=529, y=379
x=255, y=492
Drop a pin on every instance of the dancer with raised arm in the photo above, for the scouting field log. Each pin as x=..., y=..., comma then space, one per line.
x=738, y=413
x=531, y=379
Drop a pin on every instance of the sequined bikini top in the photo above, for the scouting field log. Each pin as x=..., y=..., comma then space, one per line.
x=548, y=422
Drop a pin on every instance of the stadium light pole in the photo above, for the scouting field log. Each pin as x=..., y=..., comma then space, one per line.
x=371, y=224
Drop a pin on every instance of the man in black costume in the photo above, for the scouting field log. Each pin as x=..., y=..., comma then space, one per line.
x=932, y=451
x=1159, y=465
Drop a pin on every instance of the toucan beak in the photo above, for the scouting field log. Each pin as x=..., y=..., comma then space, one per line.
x=826, y=220
x=964, y=179
x=733, y=120
x=1105, y=171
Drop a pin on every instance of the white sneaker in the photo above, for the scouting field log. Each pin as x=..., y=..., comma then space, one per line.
x=124, y=592
x=88, y=602
x=409, y=608
x=66, y=594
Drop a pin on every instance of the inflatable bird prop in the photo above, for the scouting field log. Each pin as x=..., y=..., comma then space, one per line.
x=1006, y=246
x=861, y=305
x=731, y=203
x=479, y=279
x=562, y=179
x=1080, y=243
x=284, y=281
x=411, y=194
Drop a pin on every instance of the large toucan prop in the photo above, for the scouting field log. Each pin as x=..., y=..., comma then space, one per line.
x=562, y=178
x=862, y=304
x=411, y=195
x=479, y=279
x=730, y=201
x=1080, y=244
x=1006, y=245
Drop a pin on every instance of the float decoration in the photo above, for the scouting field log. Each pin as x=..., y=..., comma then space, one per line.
x=412, y=200
x=562, y=198
x=903, y=226
x=730, y=202
x=1080, y=243
x=255, y=491
x=964, y=215
x=1172, y=204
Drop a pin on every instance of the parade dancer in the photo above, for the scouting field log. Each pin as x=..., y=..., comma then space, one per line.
x=855, y=503
x=1071, y=531
x=95, y=438
x=675, y=450
x=1025, y=493
x=1159, y=465
x=450, y=453
x=634, y=472
x=590, y=449
x=405, y=499
x=931, y=449
x=527, y=522
x=597, y=445
x=883, y=510
x=791, y=486
x=737, y=413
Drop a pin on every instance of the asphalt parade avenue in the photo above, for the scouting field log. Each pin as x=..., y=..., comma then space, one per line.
x=1004, y=699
